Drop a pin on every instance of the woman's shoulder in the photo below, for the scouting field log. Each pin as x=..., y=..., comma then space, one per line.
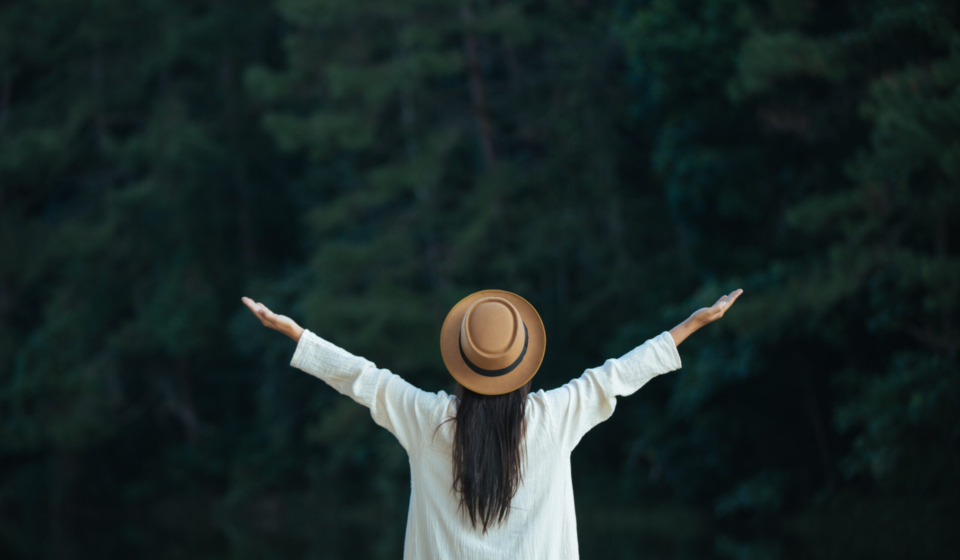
x=543, y=399
x=538, y=405
x=437, y=411
x=437, y=404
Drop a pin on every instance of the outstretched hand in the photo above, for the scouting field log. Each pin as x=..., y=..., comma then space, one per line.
x=704, y=316
x=714, y=312
x=269, y=319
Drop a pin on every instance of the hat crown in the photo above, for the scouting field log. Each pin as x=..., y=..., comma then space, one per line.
x=492, y=334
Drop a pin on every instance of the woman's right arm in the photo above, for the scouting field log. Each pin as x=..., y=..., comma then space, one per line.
x=586, y=401
x=703, y=316
x=582, y=403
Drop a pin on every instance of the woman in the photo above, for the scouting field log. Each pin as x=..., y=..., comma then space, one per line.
x=490, y=465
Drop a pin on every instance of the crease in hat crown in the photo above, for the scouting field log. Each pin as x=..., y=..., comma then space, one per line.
x=492, y=333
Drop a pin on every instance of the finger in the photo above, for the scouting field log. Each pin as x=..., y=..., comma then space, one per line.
x=266, y=310
x=251, y=304
x=733, y=296
x=261, y=312
x=728, y=301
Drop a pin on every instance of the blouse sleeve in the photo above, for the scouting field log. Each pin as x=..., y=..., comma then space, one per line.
x=394, y=403
x=584, y=402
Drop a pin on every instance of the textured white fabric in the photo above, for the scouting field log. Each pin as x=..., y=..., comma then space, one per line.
x=542, y=522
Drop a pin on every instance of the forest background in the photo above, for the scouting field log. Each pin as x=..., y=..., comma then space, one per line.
x=361, y=166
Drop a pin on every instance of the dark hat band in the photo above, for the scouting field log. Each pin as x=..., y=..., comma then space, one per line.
x=502, y=371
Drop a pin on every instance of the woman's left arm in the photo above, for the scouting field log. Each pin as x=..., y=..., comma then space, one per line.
x=269, y=319
x=394, y=403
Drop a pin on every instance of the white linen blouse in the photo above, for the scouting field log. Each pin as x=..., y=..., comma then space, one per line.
x=542, y=522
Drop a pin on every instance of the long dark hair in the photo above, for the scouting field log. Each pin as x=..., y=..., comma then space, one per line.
x=488, y=447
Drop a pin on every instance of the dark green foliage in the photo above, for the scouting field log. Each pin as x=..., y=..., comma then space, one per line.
x=360, y=166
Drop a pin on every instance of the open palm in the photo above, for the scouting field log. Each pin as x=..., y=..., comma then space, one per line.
x=714, y=312
x=269, y=319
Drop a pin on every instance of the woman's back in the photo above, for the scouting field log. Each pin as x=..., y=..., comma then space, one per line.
x=541, y=521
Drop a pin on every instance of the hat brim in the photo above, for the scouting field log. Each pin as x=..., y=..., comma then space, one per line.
x=450, y=347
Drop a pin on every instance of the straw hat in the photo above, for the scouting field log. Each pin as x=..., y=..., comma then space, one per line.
x=493, y=342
